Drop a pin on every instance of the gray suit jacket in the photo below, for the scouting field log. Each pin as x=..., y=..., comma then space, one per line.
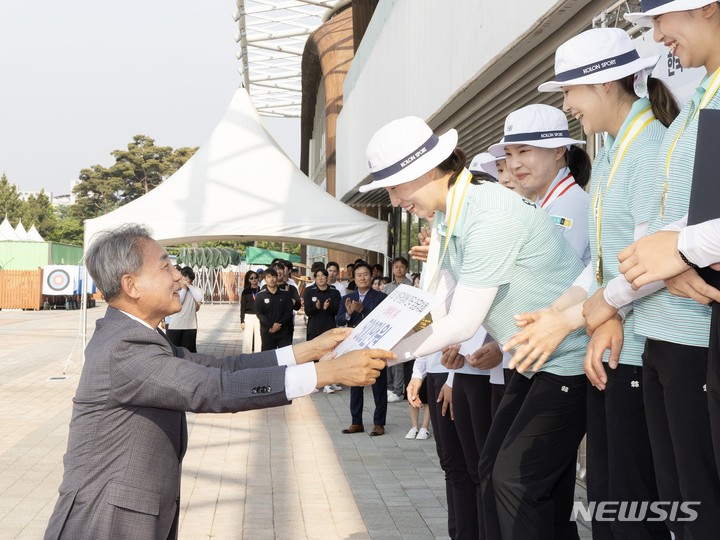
x=128, y=432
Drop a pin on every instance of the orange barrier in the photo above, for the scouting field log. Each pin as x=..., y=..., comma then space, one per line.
x=21, y=289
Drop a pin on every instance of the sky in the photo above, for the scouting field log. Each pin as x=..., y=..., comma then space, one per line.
x=79, y=78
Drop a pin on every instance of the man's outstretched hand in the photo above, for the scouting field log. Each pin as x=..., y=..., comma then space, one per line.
x=320, y=346
x=355, y=368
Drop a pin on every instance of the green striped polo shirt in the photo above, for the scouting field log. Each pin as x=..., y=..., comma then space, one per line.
x=663, y=316
x=625, y=204
x=503, y=240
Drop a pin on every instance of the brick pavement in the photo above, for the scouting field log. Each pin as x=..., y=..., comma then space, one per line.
x=284, y=473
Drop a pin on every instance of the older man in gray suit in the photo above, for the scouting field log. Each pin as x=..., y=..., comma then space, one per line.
x=128, y=432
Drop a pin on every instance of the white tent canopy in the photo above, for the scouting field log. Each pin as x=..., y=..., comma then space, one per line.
x=241, y=186
x=6, y=231
x=21, y=232
x=34, y=235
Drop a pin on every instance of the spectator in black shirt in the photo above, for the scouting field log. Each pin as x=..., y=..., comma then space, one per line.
x=274, y=308
x=285, y=285
x=322, y=303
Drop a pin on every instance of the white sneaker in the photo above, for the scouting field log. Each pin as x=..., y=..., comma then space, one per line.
x=412, y=433
x=394, y=398
x=336, y=387
x=423, y=434
x=328, y=389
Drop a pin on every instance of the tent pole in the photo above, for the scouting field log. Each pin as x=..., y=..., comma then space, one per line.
x=83, y=310
x=83, y=299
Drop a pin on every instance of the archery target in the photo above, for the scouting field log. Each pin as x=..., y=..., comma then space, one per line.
x=59, y=280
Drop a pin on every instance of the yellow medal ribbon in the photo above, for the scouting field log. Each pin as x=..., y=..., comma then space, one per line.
x=712, y=89
x=637, y=126
x=458, y=192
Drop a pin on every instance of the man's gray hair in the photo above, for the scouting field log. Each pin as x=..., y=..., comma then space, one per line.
x=115, y=253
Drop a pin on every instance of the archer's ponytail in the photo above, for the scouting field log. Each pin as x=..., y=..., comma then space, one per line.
x=663, y=103
x=580, y=165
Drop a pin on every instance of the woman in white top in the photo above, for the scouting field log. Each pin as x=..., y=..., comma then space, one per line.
x=489, y=249
x=612, y=100
x=182, y=326
x=553, y=168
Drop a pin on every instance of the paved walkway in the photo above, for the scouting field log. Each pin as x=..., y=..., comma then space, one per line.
x=285, y=473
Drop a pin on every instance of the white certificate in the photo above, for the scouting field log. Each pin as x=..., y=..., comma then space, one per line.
x=390, y=321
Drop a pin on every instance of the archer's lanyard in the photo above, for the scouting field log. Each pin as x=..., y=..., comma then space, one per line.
x=457, y=198
x=638, y=124
x=712, y=88
x=558, y=191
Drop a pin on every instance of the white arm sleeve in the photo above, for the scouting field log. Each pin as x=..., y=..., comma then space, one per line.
x=625, y=311
x=584, y=279
x=619, y=293
x=196, y=294
x=641, y=230
x=701, y=243
x=676, y=226
x=419, y=369
x=467, y=312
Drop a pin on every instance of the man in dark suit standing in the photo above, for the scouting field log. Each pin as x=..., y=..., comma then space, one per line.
x=128, y=432
x=353, y=309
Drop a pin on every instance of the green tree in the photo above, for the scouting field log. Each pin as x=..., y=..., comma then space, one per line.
x=142, y=166
x=177, y=159
x=38, y=211
x=68, y=228
x=10, y=203
x=136, y=171
x=98, y=192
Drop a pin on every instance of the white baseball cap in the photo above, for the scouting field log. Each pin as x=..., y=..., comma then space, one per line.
x=535, y=125
x=404, y=150
x=652, y=8
x=596, y=56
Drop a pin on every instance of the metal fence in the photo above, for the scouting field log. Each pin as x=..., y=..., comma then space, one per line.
x=218, y=285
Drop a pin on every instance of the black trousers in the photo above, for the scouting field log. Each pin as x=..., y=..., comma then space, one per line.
x=183, y=338
x=676, y=408
x=472, y=399
x=459, y=488
x=529, y=454
x=619, y=459
x=498, y=391
x=357, y=398
x=275, y=340
x=713, y=381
